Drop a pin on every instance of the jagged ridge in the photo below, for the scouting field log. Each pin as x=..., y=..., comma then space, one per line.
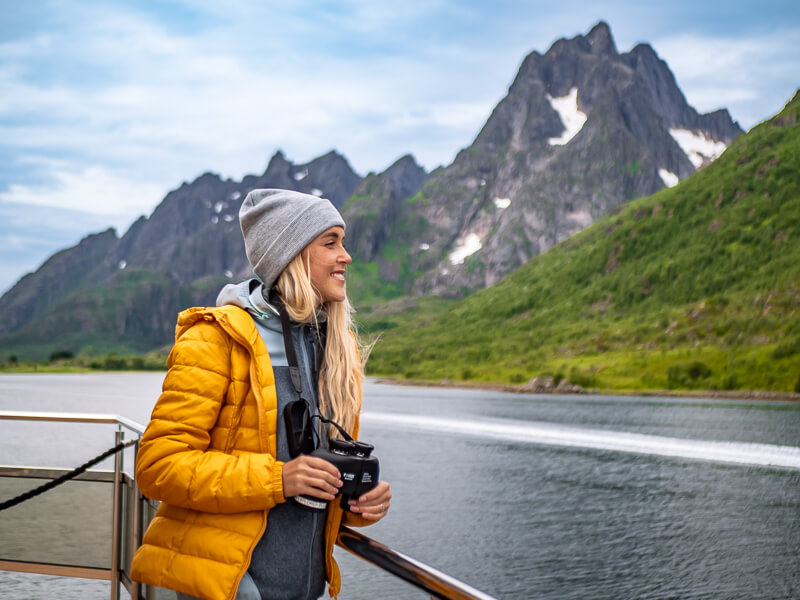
x=177, y=257
x=517, y=191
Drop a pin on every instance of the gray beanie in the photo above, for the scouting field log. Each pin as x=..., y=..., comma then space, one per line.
x=278, y=224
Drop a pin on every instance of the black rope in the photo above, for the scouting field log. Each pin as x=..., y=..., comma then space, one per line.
x=65, y=477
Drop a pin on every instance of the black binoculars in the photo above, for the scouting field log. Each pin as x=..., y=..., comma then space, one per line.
x=357, y=465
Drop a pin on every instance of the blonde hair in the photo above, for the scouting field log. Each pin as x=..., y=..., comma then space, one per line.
x=342, y=370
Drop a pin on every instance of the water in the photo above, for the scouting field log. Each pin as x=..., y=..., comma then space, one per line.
x=522, y=496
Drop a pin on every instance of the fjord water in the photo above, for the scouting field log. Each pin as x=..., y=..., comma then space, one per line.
x=522, y=496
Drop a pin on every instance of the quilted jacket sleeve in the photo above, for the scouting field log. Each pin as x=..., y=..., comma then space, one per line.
x=175, y=463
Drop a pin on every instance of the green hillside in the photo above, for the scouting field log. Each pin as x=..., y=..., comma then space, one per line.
x=697, y=286
x=132, y=313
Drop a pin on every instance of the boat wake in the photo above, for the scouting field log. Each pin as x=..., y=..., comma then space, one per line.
x=559, y=435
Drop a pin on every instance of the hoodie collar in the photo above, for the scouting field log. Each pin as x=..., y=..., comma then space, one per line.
x=252, y=296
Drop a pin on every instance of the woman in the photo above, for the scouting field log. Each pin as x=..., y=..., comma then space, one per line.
x=215, y=451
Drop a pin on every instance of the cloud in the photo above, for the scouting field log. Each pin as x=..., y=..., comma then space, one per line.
x=742, y=73
x=130, y=75
x=94, y=190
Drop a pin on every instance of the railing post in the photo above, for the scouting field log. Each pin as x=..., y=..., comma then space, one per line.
x=116, y=515
x=136, y=527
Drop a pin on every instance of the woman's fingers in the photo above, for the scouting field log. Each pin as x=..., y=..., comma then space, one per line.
x=380, y=493
x=321, y=464
x=315, y=477
x=310, y=476
x=375, y=503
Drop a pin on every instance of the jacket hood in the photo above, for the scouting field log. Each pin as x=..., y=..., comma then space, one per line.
x=250, y=296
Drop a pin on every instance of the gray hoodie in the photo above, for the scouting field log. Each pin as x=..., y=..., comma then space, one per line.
x=288, y=562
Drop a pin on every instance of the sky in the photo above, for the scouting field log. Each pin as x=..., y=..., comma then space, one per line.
x=105, y=106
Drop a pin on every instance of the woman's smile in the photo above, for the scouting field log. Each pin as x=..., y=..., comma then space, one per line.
x=327, y=261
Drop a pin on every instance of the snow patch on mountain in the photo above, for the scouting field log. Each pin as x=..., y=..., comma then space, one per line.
x=465, y=247
x=698, y=147
x=571, y=116
x=669, y=179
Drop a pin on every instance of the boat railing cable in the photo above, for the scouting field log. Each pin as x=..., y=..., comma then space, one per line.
x=66, y=476
x=131, y=512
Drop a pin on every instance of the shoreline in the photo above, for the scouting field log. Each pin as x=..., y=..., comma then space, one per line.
x=496, y=387
x=519, y=389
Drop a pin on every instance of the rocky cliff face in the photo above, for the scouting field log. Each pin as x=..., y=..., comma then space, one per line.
x=581, y=130
x=375, y=209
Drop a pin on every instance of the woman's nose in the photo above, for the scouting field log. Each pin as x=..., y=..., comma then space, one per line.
x=345, y=257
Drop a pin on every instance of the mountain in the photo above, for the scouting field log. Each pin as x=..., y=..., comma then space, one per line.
x=694, y=286
x=582, y=130
x=195, y=233
x=123, y=293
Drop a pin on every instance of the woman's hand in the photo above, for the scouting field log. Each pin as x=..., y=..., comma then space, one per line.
x=374, y=504
x=310, y=476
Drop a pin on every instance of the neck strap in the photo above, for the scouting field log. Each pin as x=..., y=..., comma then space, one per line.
x=291, y=353
x=294, y=369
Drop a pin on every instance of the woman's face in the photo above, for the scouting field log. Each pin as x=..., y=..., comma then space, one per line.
x=328, y=260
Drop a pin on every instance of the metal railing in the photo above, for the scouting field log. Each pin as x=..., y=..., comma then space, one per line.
x=131, y=512
x=123, y=485
x=435, y=583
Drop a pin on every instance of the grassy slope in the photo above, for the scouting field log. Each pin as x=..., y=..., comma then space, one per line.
x=706, y=272
x=108, y=318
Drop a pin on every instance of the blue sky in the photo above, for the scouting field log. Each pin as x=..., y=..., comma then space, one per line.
x=105, y=106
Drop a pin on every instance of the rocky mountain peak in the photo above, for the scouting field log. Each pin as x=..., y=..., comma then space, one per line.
x=330, y=176
x=278, y=165
x=581, y=130
x=406, y=176
x=332, y=160
x=601, y=41
x=377, y=205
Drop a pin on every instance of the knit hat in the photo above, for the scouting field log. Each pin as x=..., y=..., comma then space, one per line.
x=278, y=224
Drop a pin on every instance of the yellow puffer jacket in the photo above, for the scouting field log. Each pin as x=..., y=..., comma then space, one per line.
x=209, y=455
